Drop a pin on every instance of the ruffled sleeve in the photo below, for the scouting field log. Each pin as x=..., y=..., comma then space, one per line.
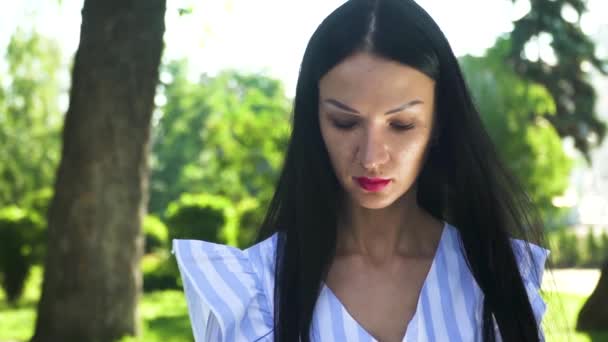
x=531, y=261
x=226, y=301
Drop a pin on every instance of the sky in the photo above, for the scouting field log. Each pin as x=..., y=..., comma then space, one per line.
x=271, y=35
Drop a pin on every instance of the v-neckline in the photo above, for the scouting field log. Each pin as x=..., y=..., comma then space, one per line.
x=411, y=324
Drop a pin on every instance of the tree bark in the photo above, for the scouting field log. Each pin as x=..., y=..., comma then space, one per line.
x=92, y=278
x=594, y=314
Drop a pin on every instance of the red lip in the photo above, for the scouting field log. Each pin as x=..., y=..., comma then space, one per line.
x=372, y=184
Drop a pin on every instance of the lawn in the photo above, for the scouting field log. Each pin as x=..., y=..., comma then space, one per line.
x=165, y=316
x=559, y=322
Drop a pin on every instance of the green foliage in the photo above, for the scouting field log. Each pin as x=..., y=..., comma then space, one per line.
x=569, y=249
x=515, y=114
x=21, y=245
x=176, y=140
x=566, y=80
x=244, y=148
x=250, y=217
x=604, y=244
x=566, y=251
x=223, y=135
x=202, y=217
x=156, y=234
x=158, y=267
x=30, y=119
x=193, y=216
x=592, y=248
x=160, y=272
x=39, y=202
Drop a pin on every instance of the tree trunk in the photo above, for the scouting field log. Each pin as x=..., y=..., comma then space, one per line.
x=594, y=314
x=92, y=278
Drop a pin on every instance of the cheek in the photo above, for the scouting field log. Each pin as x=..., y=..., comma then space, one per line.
x=339, y=147
x=409, y=152
x=340, y=151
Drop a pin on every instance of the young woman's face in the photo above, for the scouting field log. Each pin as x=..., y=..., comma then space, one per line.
x=376, y=119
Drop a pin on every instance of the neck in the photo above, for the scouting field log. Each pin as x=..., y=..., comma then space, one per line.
x=401, y=229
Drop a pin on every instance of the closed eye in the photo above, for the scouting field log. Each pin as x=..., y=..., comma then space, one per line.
x=344, y=125
x=349, y=124
x=402, y=127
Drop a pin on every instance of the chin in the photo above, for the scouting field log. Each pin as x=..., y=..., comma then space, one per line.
x=379, y=202
x=373, y=206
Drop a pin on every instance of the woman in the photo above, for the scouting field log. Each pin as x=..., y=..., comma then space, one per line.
x=386, y=149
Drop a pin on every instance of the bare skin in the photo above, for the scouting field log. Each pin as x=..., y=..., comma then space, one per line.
x=386, y=242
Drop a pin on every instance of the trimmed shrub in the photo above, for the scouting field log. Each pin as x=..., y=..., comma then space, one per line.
x=250, y=216
x=202, y=217
x=604, y=243
x=205, y=217
x=159, y=272
x=22, y=242
x=156, y=234
x=592, y=250
x=39, y=202
x=569, y=249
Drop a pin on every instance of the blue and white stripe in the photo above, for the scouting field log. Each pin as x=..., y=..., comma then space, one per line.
x=230, y=294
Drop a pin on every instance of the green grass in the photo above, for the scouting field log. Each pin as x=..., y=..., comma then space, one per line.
x=560, y=319
x=165, y=316
x=17, y=323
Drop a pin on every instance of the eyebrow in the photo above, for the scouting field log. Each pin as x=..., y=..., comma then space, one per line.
x=344, y=107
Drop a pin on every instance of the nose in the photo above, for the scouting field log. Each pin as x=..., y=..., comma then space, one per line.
x=373, y=151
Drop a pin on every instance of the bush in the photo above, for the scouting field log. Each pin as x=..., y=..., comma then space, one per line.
x=156, y=234
x=564, y=248
x=160, y=272
x=592, y=250
x=604, y=244
x=193, y=216
x=250, y=216
x=202, y=217
x=569, y=249
x=39, y=202
x=22, y=242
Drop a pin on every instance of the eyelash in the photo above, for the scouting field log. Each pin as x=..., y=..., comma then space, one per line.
x=349, y=125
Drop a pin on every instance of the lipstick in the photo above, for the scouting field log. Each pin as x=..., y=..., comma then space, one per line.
x=372, y=184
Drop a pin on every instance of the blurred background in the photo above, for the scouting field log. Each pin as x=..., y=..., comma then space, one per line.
x=220, y=120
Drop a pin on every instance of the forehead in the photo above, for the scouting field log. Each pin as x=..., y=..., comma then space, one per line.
x=372, y=81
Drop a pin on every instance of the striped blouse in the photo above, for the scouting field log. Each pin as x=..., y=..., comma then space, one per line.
x=230, y=294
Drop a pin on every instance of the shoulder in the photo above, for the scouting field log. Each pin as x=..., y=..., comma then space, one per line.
x=530, y=257
x=531, y=260
x=231, y=264
x=225, y=289
x=262, y=254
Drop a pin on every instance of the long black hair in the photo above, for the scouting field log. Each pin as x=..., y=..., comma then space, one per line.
x=462, y=182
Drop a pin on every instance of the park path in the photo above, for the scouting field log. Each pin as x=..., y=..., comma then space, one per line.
x=577, y=281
